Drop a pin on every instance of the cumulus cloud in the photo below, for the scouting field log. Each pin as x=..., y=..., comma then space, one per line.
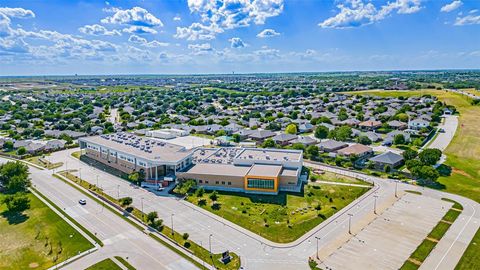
x=135, y=16
x=452, y=6
x=268, y=33
x=237, y=43
x=98, y=30
x=218, y=15
x=267, y=53
x=177, y=18
x=17, y=12
x=199, y=49
x=139, y=30
x=143, y=41
x=467, y=20
x=198, y=31
x=355, y=13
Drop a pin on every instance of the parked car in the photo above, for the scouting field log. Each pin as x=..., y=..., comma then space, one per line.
x=82, y=201
x=160, y=188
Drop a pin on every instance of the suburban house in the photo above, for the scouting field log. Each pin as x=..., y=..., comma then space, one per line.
x=387, y=159
x=370, y=125
x=331, y=146
x=284, y=139
x=418, y=124
x=357, y=150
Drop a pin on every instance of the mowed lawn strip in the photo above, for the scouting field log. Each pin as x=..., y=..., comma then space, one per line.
x=285, y=217
x=38, y=238
x=106, y=264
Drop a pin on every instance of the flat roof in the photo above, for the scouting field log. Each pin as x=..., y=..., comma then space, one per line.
x=145, y=148
x=289, y=172
x=219, y=169
x=259, y=154
x=265, y=170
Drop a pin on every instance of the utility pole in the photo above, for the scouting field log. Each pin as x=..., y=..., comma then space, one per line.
x=350, y=223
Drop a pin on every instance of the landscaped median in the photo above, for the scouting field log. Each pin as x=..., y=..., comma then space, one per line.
x=174, y=242
x=429, y=243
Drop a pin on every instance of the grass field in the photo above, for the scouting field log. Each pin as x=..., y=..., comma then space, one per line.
x=38, y=238
x=333, y=177
x=106, y=264
x=285, y=217
x=125, y=263
x=463, y=155
x=44, y=163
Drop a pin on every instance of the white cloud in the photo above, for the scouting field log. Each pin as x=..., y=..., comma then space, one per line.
x=355, y=13
x=177, y=18
x=198, y=31
x=143, y=41
x=268, y=33
x=467, y=20
x=17, y=12
x=267, y=53
x=98, y=30
x=139, y=30
x=135, y=16
x=227, y=14
x=452, y=6
x=237, y=43
x=199, y=49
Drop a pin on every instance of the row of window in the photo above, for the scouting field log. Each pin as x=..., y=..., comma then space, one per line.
x=216, y=182
x=260, y=183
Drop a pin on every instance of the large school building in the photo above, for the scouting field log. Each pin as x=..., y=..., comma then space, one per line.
x=250, y=170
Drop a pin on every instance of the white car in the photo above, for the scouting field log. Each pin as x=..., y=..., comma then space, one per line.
x=160, y=189
x=82, y=201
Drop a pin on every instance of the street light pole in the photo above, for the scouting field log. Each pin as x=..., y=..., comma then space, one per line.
x=350, y=223
x=80, y=174
x=210, y=244
x=118, y=192
x=97, y=182
x=396, y=184
x=171, y=217
x=318, y=238
x=375, y=204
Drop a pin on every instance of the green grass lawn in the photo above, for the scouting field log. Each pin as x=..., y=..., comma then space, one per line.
x=470, y=260
x=285, y=217
x=439, y=230
x=333, y=177
x=38, y=238
x=44, y=163
x=106, y=264
x=422, y=251
x=77, y=154
x=125, y=263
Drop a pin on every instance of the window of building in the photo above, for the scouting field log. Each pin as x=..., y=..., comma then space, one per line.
x=260, y=183
x=223, y=182
x=229, y=183
x=216, y=182
x=200, y=181
x=206, y=181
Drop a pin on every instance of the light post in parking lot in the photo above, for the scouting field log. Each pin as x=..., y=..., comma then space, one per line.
x=396, y=184
x=142, y=206
x=375, y=204
x=350, y=223
x=318, y=239
x=173, y=232
x=80, y=174
x=97, y=182
x=118, y=192
x=210, y=244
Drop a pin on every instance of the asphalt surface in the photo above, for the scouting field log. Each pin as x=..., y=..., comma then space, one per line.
x=259, y=253
x=119, y=237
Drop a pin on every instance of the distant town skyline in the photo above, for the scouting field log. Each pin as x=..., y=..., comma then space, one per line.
x=248, y=36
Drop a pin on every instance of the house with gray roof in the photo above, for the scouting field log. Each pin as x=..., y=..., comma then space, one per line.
x=387, y=159
x=331, y=146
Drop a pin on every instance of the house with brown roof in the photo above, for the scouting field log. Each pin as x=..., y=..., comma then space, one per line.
x=357, y=150
x=370, y=124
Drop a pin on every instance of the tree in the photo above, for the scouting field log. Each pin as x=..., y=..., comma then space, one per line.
x=268, y=143
x=364, y=140
x=8, y=145
x=399, y=139
x=185, y=236
x=17, y=202
x=312, y=151
x=409, y=154
x=21, y=151
x=151, y=217
x=199, y=192
x=214, y=196
x=14, y=176
x=236, y=138
x=430, y=156
x=321, y=132
x=429, y=174
x=342, y=133
x=413, y=163
x=134, y=177
x=126, y=201
x=291, y=129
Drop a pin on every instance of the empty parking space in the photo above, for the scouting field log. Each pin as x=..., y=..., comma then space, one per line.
x=390, y=239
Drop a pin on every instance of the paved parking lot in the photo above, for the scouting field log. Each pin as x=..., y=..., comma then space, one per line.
x=377, y=247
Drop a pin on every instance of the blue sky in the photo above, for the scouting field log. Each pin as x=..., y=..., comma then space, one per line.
x=208, y=36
